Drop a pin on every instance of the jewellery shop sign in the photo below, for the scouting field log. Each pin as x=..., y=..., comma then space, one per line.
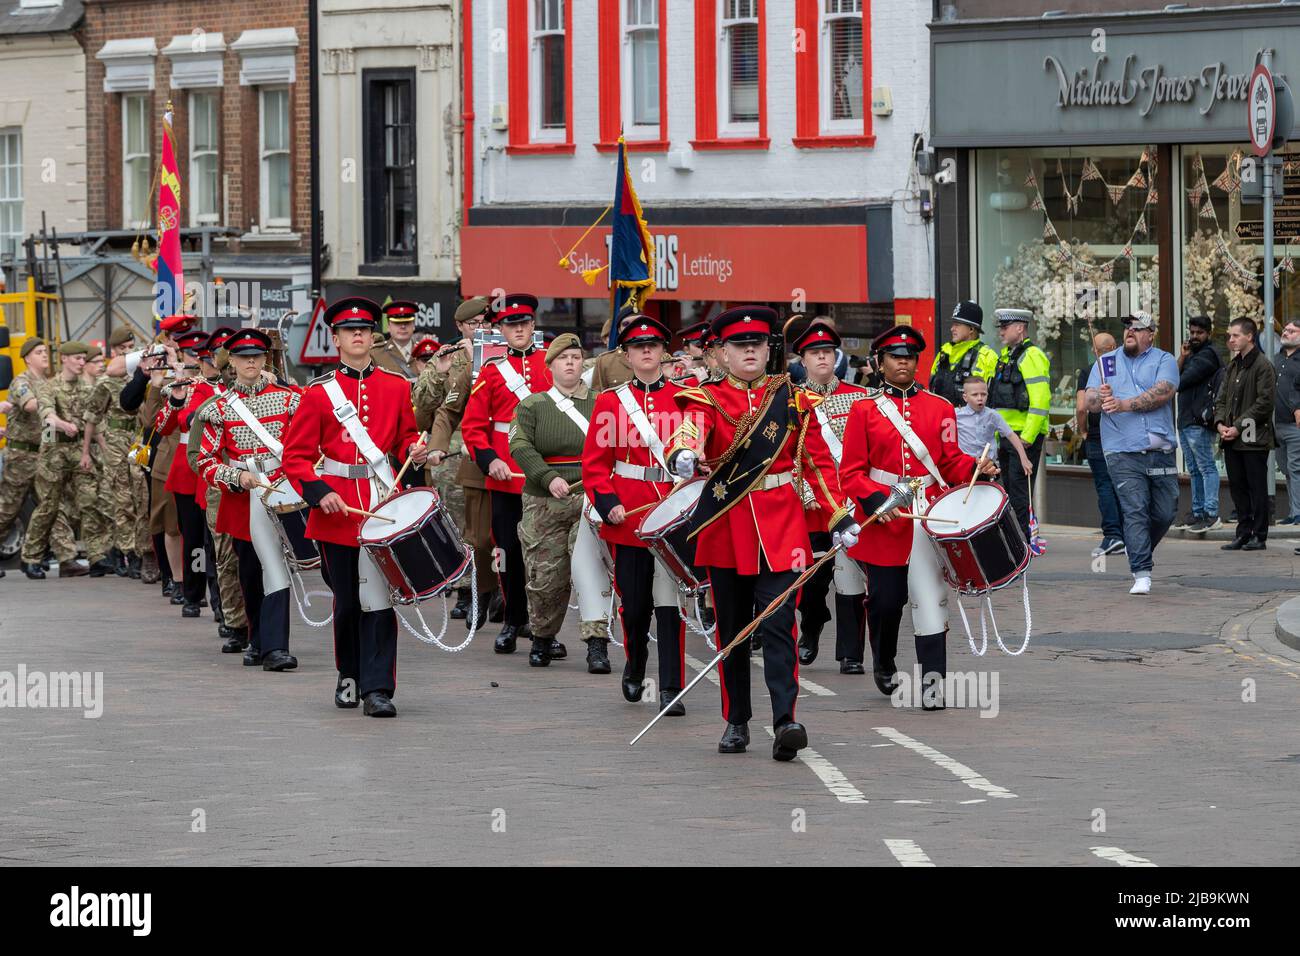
x=1087, y=86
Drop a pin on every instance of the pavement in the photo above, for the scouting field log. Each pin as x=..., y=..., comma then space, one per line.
x=1134, y=731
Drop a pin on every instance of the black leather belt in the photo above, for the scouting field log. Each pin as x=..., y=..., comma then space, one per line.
x=17, y=445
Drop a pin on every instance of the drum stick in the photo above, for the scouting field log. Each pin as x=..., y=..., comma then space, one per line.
x=367, y=514
x=908, y=514
x=397, y=482
x=983, y=456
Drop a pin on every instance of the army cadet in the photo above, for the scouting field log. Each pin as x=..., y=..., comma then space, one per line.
x=1020, y=392
x=114, y=430
x=625, y=474
x=546, y=442
x=23, y=449
x=964, y=356
x=64, y=469
x=350, y=420
x=440, y=395
x=816, y=344
x=395, y=353
x=753, y=432
x=502, y=384
x=233, y=626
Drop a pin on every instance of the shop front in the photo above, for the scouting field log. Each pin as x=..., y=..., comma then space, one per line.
x=834, y=261
x=1101, y=166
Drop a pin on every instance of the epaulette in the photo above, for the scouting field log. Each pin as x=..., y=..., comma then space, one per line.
x=380, y=368
x=322, y=379
x=806, y=400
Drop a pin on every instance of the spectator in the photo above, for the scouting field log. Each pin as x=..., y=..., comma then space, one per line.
x=1198, y=384
x=1134, y=389
x=1243, y=415
x=978, y=425
x=1286, y=417
x=1089, y=424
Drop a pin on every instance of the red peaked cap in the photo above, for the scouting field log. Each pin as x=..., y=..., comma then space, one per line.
x=699, y=332
x=817, y=335
x=193, y=342
x=176, y=324
x=220, y=336
x=515, y=307
x=353, y=312
x=425, y=348
x=401, y=310
x=248, y=342
x=746, y=323
x=900, y=340
x=643, y=329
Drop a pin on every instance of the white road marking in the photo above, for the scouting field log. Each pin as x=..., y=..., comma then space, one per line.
x=976, y=800
x=960, y=770
x=700, y=665
x=829, y=774
x=817, y=690
x=1115, y=855
x=882, y=745
x=911, y=801
x=908, y=853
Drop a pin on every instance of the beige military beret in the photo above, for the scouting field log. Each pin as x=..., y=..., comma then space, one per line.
x=27, y=346
x=121, y=335
x=472, y=307
x=566, y=340
x=74, y=348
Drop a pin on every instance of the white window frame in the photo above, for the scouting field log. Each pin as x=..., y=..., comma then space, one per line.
x=264, y=200
x=128, y=197
x=726, y=128
x=637, y=130
x=11, y=201
x=830, y=126
x=537, y=132
x=196, y=218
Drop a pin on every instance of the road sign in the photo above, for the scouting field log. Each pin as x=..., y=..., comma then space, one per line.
x=318, y=346
x=1263, y=110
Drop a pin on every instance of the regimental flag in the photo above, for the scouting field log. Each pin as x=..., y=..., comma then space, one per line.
x=169, y=291
x=631, y=257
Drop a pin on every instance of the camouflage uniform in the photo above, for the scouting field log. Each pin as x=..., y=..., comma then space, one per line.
x=546, y=445
x=122, y=481
x=223, y=546
x=22, y=450
x=427, y=395
x=60, y=479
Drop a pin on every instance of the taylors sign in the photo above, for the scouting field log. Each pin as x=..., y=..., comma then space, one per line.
x=1145, y=87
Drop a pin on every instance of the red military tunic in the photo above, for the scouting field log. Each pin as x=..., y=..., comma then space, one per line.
x=770, y=518
x=181, y=479
x=838, y=400
x=226, y=439
x=871, y=441
x=613, y=438
x=383, y=403
x=490, y=408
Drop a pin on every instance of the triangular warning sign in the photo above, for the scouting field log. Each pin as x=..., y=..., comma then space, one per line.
x=318, y=347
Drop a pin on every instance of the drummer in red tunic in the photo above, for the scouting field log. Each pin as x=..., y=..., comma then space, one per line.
x=234, y=458
x=623, y=470
x=185, y=396
x=900, y=434
x=502, y=384
x=746, y=432
x=353, y=418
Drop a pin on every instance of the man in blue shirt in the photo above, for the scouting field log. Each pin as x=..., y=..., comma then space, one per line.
x=1133, y=388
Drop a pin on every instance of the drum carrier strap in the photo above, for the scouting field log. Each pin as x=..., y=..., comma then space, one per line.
x=828, y=434
x=346, y=414
x=514, y=381
x=913, y=442
x=636, y=414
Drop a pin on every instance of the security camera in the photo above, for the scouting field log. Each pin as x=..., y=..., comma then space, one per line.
x=945, y=176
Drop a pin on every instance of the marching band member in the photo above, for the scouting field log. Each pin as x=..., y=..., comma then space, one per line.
x=396, y=354
x=816, y=344
x=174, y=418
x=546, y=439
x=753, y=433
x=502, y=384
x=902, y=433
x=440, y=395
x=623, y=470
x=240, y=454
x=354, y=417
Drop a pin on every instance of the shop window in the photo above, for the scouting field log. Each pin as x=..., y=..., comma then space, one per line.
x=136, y=165
x=740, y=43
x=274, y=148
x=205, y=130
x=730, y=75
x=642, y=30
x=832, y=73
x=842, y=64
x=390, y=184
x=11, y=190
x=539, y=69
x=549, y=67
x=633, y=64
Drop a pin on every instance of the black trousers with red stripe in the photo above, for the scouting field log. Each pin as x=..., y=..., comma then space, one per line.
x=507, y=514
x=634, y=571
x=365, y=642
x=194, y=573
x=736, y=600
x=268, y=614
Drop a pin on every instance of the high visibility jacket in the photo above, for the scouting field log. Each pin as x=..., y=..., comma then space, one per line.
x=957, y=360
x=1027, y=379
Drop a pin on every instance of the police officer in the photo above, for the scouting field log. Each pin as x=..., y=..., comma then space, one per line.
x=1021, y=394
x=964, y=356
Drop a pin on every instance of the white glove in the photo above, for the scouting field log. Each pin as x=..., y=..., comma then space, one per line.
x=848, y=537
x=684, y=464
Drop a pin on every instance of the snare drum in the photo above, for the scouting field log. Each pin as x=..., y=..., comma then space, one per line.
x=289, y=516
x=420, y=554
x=985, y=550
x=665, y=531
